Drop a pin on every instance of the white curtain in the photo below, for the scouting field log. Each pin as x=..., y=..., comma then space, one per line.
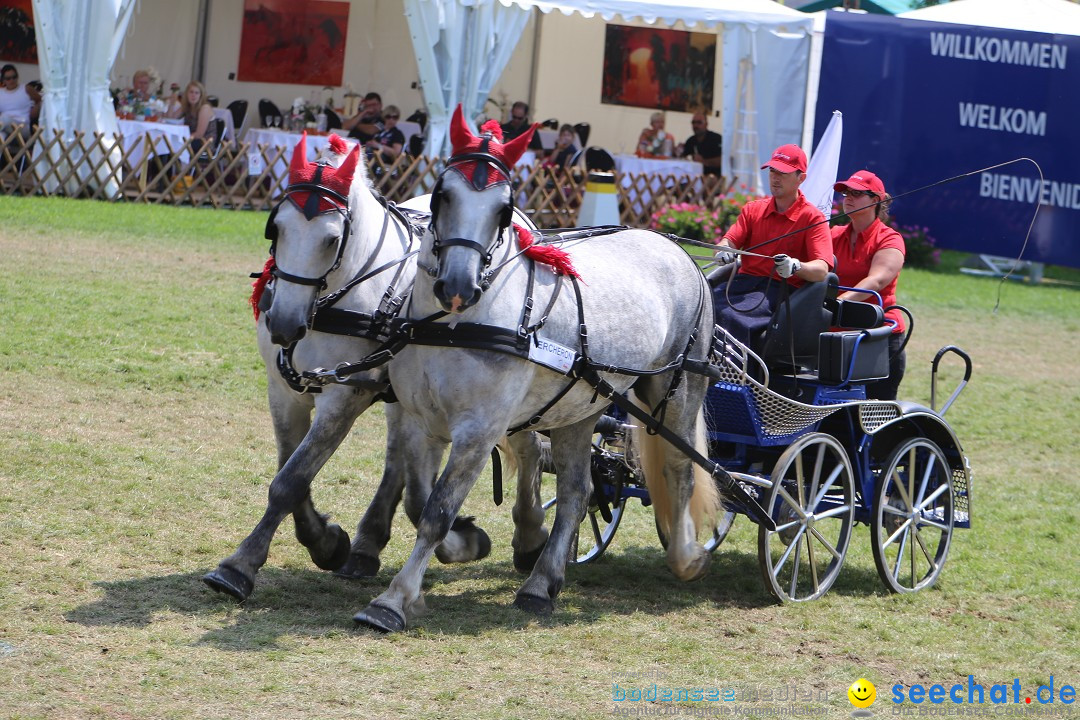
x=462, y=47
x=774, y=65
x=77, y=45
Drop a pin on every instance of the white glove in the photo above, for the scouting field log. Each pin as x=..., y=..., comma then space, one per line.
x=786, y=266
x=723, y=256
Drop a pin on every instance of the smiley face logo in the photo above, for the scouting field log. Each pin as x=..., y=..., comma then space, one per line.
x=862, y=693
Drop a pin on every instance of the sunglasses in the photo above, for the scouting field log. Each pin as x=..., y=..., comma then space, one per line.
x=391, y=117
x=859, y=193
x=10, y=77
x=518, y=117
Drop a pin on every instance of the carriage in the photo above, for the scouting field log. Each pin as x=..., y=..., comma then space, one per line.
x=530, y=346
x=802, y=439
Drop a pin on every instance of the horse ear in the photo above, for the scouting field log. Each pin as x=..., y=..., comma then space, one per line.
x=347, y=169
x=460, y=134
x=513, y=150
x=299, y=159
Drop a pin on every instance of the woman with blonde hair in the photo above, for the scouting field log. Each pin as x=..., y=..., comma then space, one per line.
x=194, y=110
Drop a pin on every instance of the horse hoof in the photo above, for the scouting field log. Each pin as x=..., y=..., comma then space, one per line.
x=340, y=555
x=472, y=543
x=359, y=566
x=381, y=618
x=534, y=604
x=229, y=581
x=524, y=562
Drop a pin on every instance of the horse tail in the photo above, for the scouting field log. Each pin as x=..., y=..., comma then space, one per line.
x=705, y=502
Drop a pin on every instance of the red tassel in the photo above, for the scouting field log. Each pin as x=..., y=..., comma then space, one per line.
x=259, y=285
x=493, y=127
x=557, y=258
x=337, y=145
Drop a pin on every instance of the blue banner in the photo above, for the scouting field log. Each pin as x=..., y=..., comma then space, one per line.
x=927, y=101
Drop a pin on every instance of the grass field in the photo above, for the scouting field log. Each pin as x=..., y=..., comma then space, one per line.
x=135, y=452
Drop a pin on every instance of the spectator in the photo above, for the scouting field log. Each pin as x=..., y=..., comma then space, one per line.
x=564, y=149
x=367, y=123
x=518, y=124
x=389, y=141
x=655, y=142
x=18, y=103
x=141, y=90
x=704, y=146
x=870, y=255
x=785, y=226
x=194, y=110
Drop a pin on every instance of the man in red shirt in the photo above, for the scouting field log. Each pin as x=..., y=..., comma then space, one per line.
x=790, y=241
x=870, y=255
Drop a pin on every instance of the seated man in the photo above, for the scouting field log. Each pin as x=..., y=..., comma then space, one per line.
x=704, y=146
x=367, y=123
x=784, y=226
x=518, y=124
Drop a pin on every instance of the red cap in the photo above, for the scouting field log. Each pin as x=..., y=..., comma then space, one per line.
x=786, y=159
x=862, y=180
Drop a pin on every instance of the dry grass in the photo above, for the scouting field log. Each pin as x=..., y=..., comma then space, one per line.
x=136, y=449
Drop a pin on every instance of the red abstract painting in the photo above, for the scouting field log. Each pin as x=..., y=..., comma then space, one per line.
x=662, y=69
x=284, y=41
x=17, y=41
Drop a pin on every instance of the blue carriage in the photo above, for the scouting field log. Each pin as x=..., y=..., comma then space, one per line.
x=792, y=425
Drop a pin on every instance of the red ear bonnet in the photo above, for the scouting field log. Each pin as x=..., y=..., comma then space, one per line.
x=463, y=141
x=338, y=179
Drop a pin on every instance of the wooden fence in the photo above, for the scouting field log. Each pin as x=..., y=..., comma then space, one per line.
x=97, y=166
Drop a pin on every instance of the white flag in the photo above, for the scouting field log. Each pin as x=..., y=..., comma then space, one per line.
x=824, y=163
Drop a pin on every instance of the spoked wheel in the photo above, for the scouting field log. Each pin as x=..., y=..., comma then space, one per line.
x=812, y=501
x=723, y=527
x=597, y=529
x=913, y=516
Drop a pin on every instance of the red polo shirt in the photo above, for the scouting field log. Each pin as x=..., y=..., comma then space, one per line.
x=853, y=260
x=759, y=221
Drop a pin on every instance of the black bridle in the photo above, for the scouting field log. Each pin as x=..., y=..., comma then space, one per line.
x=316, y=193
x=485, y=163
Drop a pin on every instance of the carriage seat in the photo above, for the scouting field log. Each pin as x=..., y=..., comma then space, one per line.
x=859, y=350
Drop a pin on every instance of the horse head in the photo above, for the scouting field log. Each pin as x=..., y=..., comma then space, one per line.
x=471, y=208
x=309, y=232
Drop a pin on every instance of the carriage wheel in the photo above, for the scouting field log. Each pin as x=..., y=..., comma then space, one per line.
x=913, y=516
x=812, y=501
x=594, y=526
x=723, y=527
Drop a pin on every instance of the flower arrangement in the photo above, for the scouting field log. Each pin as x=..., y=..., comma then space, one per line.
x=689, y=221
x=732, y=202
x=922, y=251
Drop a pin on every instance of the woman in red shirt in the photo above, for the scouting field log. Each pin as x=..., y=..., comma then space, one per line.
x=870, y=254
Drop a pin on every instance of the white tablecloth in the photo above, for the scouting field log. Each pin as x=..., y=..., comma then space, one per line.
x=266, y=138
x=659, y=172
x=165, y=138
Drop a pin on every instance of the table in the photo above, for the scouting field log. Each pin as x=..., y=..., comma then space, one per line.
x=136, y=136
x=140, y=139
x=260, y=138
x=658, y=172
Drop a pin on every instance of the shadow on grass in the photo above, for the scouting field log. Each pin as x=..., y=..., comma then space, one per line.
x=462, y=599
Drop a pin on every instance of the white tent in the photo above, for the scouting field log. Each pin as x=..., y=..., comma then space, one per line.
x=1059, y=17
x=77, y=44
x=766, y=50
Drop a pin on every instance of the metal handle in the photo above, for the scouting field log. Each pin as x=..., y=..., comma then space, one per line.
x=933, y=377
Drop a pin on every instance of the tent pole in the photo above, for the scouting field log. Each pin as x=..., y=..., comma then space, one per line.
x=198, y=61
x=533, y=72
